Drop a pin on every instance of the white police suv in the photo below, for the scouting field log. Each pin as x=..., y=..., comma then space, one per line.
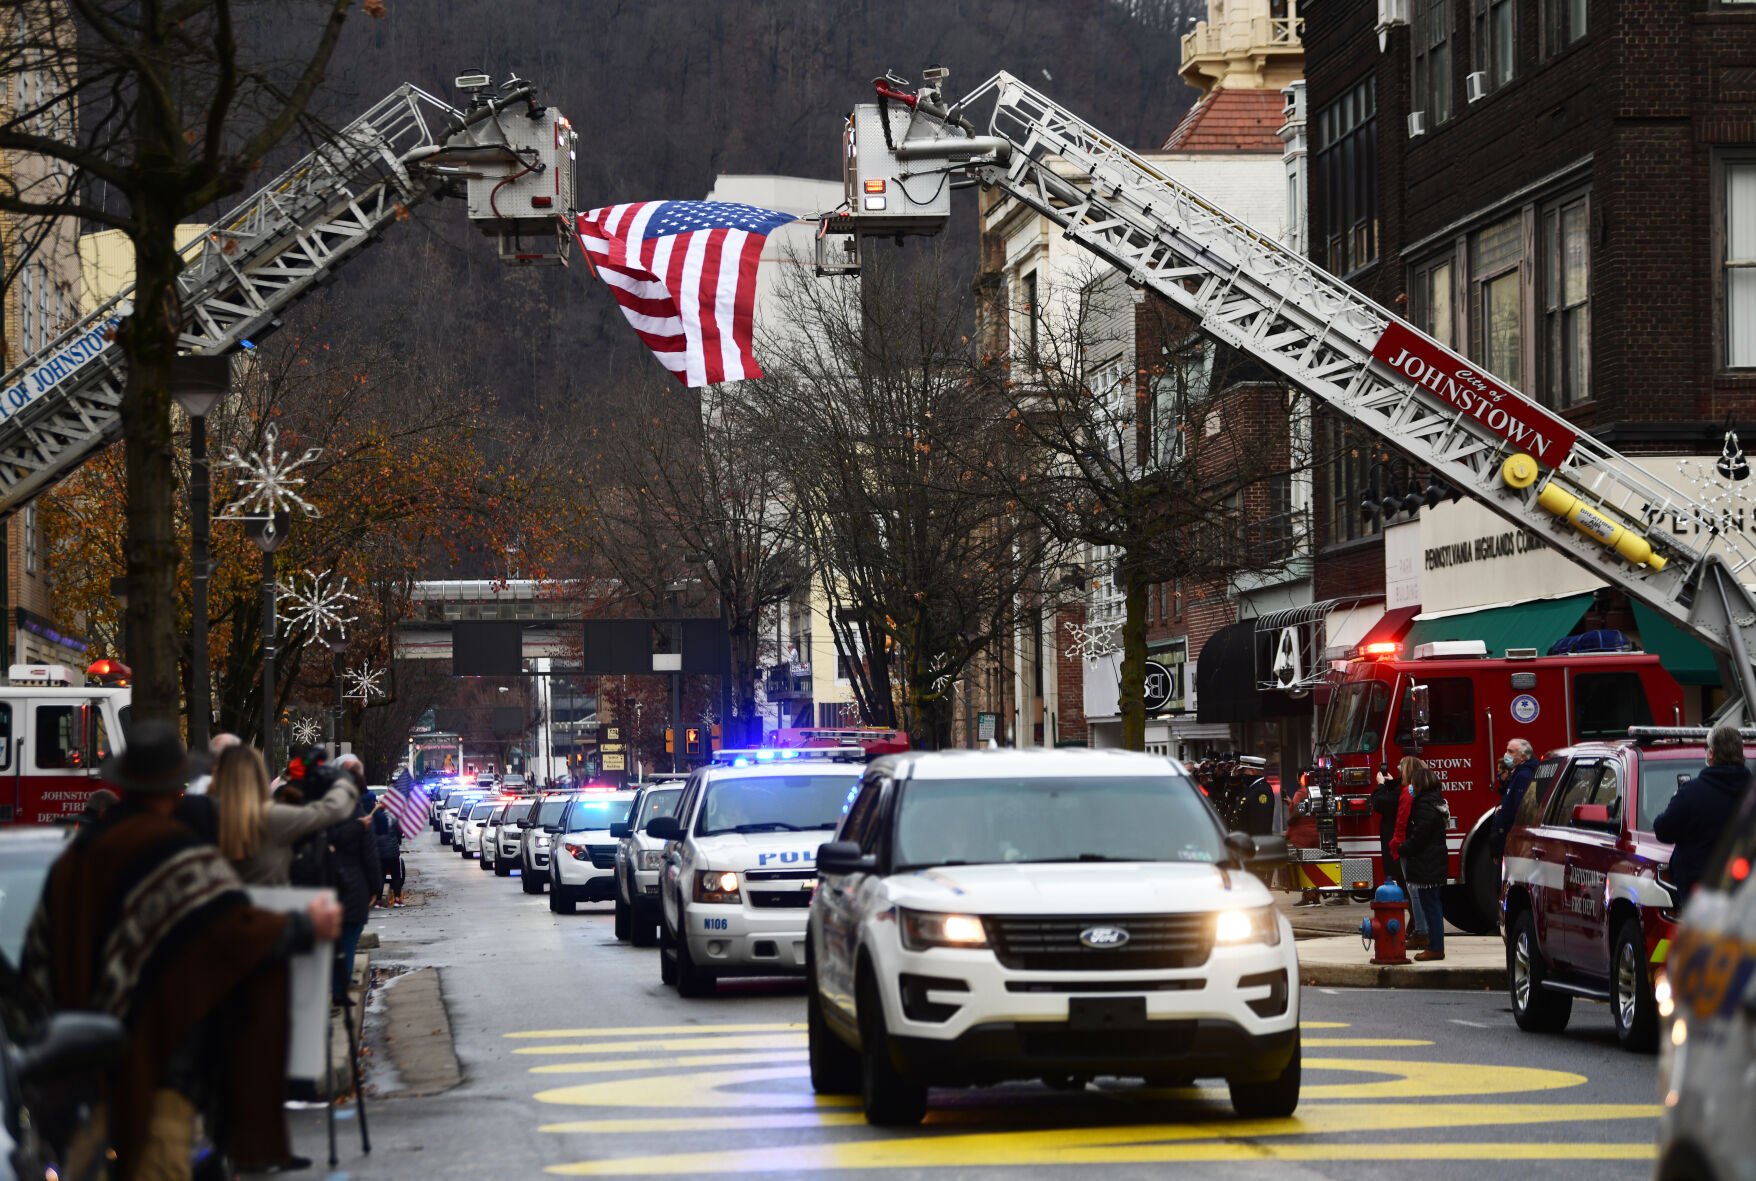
x=739, y=864
x=638, y=859
x=992, y=915
x=583, y=868
x=541, y=828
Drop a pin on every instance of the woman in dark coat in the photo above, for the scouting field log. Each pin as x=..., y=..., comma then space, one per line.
x=387, y=833
x=354, y=854
x=1423, y=852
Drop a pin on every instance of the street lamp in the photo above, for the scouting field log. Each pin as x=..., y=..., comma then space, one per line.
x=336, y=637
x=198, y=384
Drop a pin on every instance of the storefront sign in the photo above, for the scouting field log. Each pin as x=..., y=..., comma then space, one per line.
x=1456, y=382
x=1161, y=685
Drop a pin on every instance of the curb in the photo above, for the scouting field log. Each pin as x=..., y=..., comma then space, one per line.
x=418, y=1035
x=1365, y=975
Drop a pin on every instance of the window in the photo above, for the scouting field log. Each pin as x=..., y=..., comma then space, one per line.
x=5, y=738
x=31, y=532
x=858, y=825
x=59, y=742
x=1530, y=809
x=1740, y=263
x=1496, y=255
x=1030, y=312
x=1566, y=282
x=1451, y=713
x=1346, y=164
x=1563, y=24
x=1575, y=789
x=1433, y=300
x=1351, y=475
x=1493, y=53
x=27, y=341
x=1432, y=67
x=1606, y=704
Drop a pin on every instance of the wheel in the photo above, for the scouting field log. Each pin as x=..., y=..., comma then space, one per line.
x=1631, y=1000
x=642, y=932
x=835, y=1065
x=445, y=838
x=1534, y=1008
x=484, y=865
x=622, y=920
x=529, y=882
x=667, y=955
x=692, y=981
x=1275, y=1098
x=891, y=1099
x=502, y=870
x=1473, y=905
x=560, y=901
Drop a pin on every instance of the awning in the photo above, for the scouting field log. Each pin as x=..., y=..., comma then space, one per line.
x=1225, y=678
x=1684, y=657
x=1534, y=624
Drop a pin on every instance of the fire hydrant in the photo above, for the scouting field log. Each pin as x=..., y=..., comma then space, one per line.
x=1387, y=929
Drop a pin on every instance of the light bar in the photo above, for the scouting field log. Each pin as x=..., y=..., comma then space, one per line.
x=1381, y=649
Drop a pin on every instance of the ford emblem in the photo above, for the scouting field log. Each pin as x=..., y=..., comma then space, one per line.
x=1102, y=937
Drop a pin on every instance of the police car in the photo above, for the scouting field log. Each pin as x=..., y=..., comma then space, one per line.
x=500, y=840
x=638, y=858
x=1707, y=1000
x=738, y=868
x=539, y=832
x=993, y=915
x=470, y=825
x=583, y=868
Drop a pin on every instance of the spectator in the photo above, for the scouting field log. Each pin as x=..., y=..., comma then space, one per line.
x=387, y=834
x=1518, y=768
x=216, y=746
x=1698, y=814
x=142, y=920
x=1424, y=853
x=354, y=859
x=258, y=835
x=96, y=804
x=1302, y=834
x=1391, y=800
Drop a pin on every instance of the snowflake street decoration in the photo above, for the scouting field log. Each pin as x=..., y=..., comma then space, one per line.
x=364, y=683
x=318, y=603
x=1721, y=487
x=306, y=732
x=1092, y=643
x=941, y=682
x=708, y=718
x=267, y=481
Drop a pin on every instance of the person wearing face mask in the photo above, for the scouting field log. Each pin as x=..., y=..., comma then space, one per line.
x=1517, y=769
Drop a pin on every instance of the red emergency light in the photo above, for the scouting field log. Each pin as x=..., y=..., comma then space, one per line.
x=1382, y=650
x=109, y=672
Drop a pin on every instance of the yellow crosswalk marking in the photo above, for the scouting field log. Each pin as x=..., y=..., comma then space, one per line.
x=661, y=1030
x=772, y=1041
x=617, y=1065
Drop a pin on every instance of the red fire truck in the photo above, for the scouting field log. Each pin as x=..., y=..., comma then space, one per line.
x=55, y=732
x=1475, y=705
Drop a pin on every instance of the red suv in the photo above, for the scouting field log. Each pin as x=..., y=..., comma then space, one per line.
x=1584, y=902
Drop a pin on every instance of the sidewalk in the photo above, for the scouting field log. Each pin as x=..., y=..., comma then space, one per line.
x=1331, y=954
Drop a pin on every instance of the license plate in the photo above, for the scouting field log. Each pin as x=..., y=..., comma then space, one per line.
x=1106, y=1012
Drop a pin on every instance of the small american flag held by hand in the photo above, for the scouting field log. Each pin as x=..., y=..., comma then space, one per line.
x=407, y=801
x=684, y=273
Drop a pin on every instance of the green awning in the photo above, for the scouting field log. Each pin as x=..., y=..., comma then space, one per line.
x=1537, y=624
x=1684, y=656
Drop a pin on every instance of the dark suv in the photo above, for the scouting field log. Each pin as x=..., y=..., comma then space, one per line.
x=1586, y=906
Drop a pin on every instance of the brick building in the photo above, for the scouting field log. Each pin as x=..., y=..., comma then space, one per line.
x=1565, y=192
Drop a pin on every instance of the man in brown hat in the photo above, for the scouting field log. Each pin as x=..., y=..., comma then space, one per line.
x=142, y=919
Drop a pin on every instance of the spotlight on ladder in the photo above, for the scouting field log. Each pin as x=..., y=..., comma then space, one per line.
x=1732, y=465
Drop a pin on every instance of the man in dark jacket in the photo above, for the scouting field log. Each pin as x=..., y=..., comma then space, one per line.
x=1519, y=764
x=354, y=859
x=1698, y=814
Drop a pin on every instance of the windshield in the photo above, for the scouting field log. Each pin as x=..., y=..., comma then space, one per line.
x=25, y=858
x=549, y=811
x=498, y=814
x=776, y=803
x=658, y=802
x=481, y=811
x=516, y=812
x=1659, y=781
x=1355, y=724
x=982, y=821
x=595, y=815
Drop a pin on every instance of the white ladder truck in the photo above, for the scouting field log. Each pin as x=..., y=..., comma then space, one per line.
x=1475, y=432
x=508, y=154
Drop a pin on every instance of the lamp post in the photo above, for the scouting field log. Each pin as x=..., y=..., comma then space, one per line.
x=198, y=383
x=268, y=533
x=336, y=638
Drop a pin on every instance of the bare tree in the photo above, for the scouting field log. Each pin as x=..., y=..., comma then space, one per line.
x=1180, y=467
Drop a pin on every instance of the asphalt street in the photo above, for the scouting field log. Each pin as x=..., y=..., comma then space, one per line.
x=577, y=1062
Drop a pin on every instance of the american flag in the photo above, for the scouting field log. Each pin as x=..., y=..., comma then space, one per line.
x=407, y=801
x=685, y=275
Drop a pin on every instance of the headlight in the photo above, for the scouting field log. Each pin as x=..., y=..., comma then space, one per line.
x=651, y=859
x=1258, y=925
x=716, y=885
x=542, y=842
x=922, y=929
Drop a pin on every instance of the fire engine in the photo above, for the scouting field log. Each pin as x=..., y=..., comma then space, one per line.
x=1474, y=705
x=55, y=732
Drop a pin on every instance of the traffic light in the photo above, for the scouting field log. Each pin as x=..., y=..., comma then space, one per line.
x=670, y=740
x=692, y=740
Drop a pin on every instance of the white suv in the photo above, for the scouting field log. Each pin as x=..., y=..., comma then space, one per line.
x=583, y=868
x=541, y=830
x=638, y=858
x=990, y=915
x=470, y=824
x=739, y=866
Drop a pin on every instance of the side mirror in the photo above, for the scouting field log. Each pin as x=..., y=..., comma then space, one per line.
x=664, y=828
x=621, y=830
x=844, y=857
x=1268, y=851
x=73, y=1044
x=1592, y=816
x=1241, y=847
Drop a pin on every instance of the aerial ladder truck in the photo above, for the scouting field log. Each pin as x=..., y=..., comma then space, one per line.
x=1685, y=555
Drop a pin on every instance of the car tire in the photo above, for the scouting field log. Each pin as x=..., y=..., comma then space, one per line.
x=642, y=932
x=1534, y=1007
x=445, y=839
x=1275, y=1098
x=529, y=882
x=891, y=1099
x=502, y=870
x=693, y=980
x=1473, y=905
x=667, y=955
x=1632, y=1005
x=622, y=920
x=484, y=865
x=560, y=901
x=835, y=1065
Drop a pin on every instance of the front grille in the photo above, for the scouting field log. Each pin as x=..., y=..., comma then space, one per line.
x=771, y=899
x=1050, y=943
x=780, y=875
x=602, y=856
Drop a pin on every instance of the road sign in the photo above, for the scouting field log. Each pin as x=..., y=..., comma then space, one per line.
x=986, y=726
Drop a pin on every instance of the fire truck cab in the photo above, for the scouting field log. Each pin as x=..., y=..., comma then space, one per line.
x=55, y=733
x=1475, y=704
